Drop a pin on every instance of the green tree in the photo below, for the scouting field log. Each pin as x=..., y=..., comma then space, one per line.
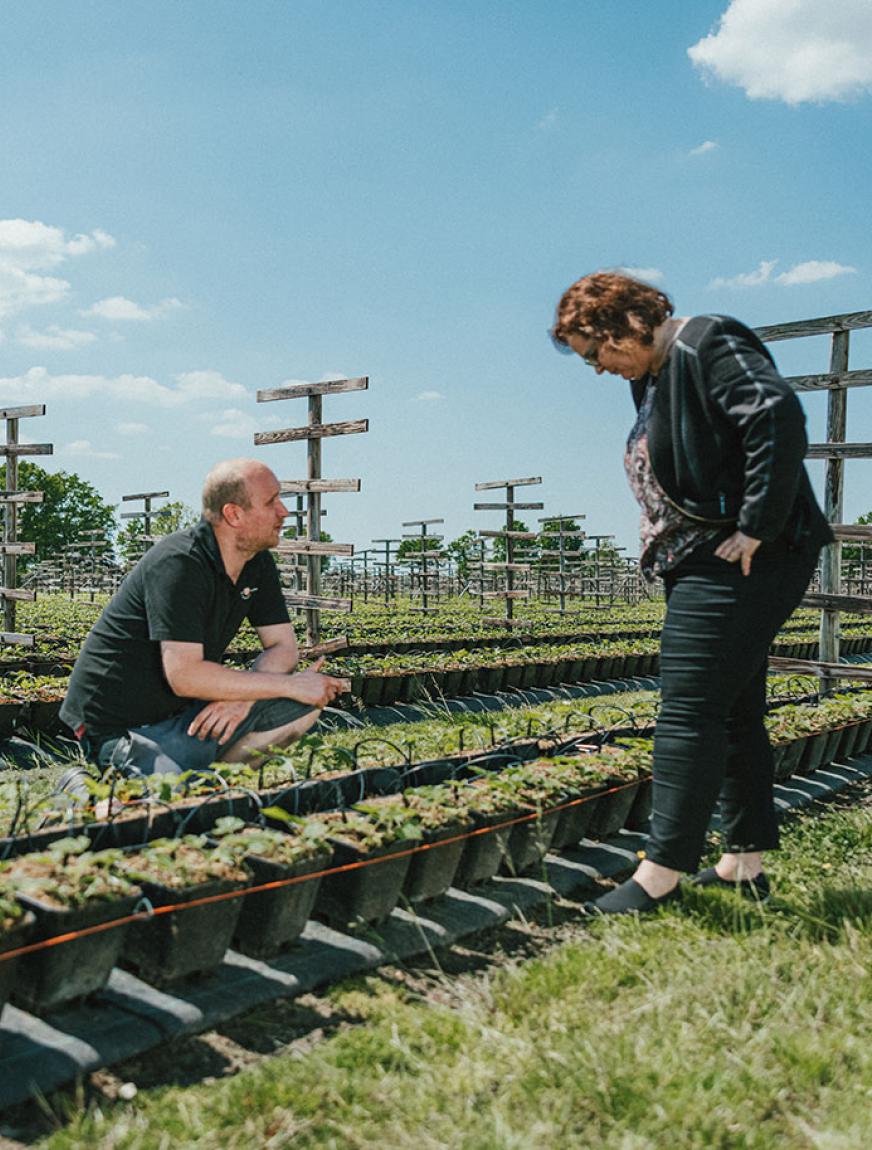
x=465, y=551
x=410, y=547
x=172, y=516
x=290, y=532
x=70, y=507
x=549, y=540
x=853, y=552
x=525, y=550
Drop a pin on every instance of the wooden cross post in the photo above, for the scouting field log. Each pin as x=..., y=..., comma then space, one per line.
x=387, y=565
x=147, y=515
x=510, y=567
x=835, y=451
x=425, y=556
x=313, y=487
x=12, y=498
x=561, y=552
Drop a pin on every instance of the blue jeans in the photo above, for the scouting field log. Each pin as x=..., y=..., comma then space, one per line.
x=167, y=748
x=710, y=741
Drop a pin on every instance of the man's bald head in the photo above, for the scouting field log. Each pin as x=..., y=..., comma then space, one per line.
x=227, y=482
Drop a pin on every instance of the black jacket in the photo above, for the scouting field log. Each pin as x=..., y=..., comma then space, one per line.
x=726, y=435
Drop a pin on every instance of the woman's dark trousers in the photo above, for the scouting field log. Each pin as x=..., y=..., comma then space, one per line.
x=710, y=740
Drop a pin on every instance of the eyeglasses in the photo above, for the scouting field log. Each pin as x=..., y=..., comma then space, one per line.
x=590, y=357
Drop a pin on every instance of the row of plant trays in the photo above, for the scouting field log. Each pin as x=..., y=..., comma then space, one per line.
x=411, y=846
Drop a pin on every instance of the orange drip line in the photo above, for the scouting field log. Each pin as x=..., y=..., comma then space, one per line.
x=277, y=884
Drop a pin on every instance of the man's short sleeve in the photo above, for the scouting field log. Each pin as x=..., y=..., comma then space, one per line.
x=268, y=607
x=177, y=600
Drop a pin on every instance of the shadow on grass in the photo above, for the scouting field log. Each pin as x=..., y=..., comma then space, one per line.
x=832, y=910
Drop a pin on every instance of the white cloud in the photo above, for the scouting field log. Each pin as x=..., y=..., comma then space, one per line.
x=27, y=249
x=132, y=428
x=38, y=385
x=83, y=449
x=429, y=396
x=762, y=275
x=54, y=338
x=235, y=424
x=208, y=385
x=704, y=148
x=812, y=271
x=650, y=275
x=548, y=120
x=119, y=307
x=791, y=50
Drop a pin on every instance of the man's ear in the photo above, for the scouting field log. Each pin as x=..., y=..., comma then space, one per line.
x=232, y=514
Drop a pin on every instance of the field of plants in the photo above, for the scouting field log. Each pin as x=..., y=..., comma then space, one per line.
x=162, y=876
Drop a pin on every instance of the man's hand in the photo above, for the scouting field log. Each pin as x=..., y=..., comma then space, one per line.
x=739, y=548
x=315, y=689
x=219, y=720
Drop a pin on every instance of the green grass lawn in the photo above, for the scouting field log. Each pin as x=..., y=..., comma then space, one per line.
x=717, y=1026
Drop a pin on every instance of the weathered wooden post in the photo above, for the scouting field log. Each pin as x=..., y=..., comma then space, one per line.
x=425, y=556
x=835, y=451
x=148, y=514
x=511, y=536
x=386, y=564
x=12, y=498
x=313, y=487
x=561, y=553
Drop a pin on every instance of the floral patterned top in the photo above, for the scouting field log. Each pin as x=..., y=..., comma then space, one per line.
x=666, y=534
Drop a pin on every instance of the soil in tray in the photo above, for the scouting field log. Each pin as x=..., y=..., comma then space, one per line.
x=368, y=893
x=61, y=974
x=272, y=919
x=191, y=940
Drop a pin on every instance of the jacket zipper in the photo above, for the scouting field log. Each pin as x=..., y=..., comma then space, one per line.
x=698, y=518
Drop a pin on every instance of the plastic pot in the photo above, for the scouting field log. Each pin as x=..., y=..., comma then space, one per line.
x=529, y=842
x=191, y=940
x=368, y=893
x=60, y=974
x=19, y=934
x=431, y=871
x=484, y=850
x=575, y=820
x=613, y=808
x=272, y=919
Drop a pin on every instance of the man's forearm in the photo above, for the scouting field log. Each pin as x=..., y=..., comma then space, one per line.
x=279, y=659
x=210, y=681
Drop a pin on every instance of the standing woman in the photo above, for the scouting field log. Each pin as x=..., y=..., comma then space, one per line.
x=730, y=523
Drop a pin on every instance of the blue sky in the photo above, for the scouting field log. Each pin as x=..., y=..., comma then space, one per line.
x=199, y=200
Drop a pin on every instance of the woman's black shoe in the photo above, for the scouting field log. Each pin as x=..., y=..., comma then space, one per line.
x=756, y=888
x=629, y=898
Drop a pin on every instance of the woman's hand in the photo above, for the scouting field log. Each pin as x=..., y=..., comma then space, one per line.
x=739, y=548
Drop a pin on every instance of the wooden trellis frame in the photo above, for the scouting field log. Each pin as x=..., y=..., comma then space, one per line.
x=147, y=514
x=510, y=567
x=561, y=552
x=313, y=487
x=12, y=498
x=425, y=558
x=387, y=563
x=835, y=451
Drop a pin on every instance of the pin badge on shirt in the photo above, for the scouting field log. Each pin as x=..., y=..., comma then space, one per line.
x=247, y=592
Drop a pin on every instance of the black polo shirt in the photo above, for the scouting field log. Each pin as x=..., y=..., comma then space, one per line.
x=178, y=591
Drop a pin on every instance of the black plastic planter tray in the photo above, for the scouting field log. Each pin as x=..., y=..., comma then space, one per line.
x=272, y=919
x=182, y=942
x=9, y=716
x=431, y=871
x=60, y=974
x=575, y=820
x=613, y=808
x=529, y=842
x=367, y=893
x=788, y=759
x=640, y=812
x=484, y=851
x=338, y=790
x=813, y=752
x=18, y=935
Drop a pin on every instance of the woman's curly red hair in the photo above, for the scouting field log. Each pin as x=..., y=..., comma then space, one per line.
x=610, y=304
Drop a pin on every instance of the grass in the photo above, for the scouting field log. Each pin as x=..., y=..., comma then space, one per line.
x=717, y=1026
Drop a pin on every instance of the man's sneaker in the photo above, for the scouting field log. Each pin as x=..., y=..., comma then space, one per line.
x=756, y=888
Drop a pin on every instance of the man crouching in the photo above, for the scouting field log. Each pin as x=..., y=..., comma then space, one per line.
x=148, y=692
